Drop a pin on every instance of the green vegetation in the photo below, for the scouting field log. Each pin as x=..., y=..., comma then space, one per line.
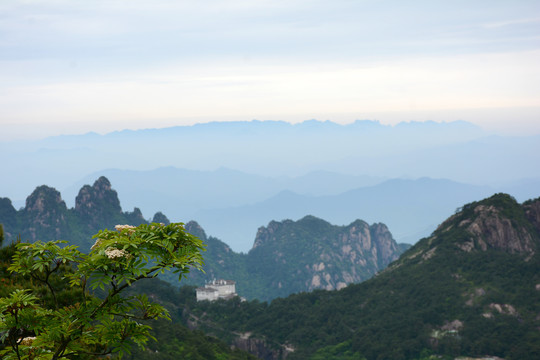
x=166, y=340
x=470, y=289
x=437, y=300
x=59, y=318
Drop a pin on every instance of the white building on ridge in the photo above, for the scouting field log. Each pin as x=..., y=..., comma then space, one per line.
x=217, y=289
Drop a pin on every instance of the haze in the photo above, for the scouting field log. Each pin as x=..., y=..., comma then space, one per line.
x=70, y=67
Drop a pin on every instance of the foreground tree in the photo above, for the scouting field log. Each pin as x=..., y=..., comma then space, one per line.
x=61, y=319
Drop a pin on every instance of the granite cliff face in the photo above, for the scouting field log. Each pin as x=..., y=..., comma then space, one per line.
x=498, y=223
x=491, y=229
x=313, y=254
x=98, y=207
x=97, y=204
x=45, y=214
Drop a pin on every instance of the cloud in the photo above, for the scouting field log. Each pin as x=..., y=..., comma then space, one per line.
x=506, y=23
x=431, y=83
x=116, y=59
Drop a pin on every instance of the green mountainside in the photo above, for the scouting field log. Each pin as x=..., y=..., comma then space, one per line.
x=294, y=256
x=471, y=289
x=287, y=257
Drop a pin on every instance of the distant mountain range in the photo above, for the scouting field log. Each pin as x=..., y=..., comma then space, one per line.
x=232, y=205
x=410, y=208
x=458, y=151
x=273, y=170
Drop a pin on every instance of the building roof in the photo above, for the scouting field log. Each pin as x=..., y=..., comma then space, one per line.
x=206, y=289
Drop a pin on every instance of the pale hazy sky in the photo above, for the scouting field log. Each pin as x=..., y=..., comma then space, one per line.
x=72, y=66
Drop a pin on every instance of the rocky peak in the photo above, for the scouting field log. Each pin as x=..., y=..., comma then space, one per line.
x=265, y=233
x=98, y=205
x=42, y=198
x=329, y=256
x=45, y=214
x=496, y=223
x=159, y=217
x=99, y=194
x=195, y=229
x=491, y=229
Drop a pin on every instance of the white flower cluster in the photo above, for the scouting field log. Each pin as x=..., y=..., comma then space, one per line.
x=113, y=253
x=131, y=228
x=27, y=340
x=96, y=244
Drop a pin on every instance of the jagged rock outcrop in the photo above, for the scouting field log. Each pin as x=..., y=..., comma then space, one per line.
x=45, y=215
x=98, y=204
x=491, y=229
x=159, y=217
x=195, y=229
x=313, y=254
x=499, y=223
x=98, y=207
x=260, y=348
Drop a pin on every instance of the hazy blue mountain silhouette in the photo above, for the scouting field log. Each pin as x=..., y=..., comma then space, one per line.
x=271, y=148
x=410, y=208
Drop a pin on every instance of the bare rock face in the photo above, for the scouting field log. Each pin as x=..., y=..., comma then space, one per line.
x=493, y=230
x=259, y=348
x=45, y=214
x=98, y=203
x=387, y=249
x=532, y=211
x=496, y=223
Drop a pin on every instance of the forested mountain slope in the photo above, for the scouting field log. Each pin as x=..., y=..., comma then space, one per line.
x=472, y=288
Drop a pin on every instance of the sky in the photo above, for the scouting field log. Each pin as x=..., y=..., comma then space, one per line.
x=74, y=66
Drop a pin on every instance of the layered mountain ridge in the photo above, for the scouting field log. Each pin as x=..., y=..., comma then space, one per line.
x=287, y=257
x=46, y=216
